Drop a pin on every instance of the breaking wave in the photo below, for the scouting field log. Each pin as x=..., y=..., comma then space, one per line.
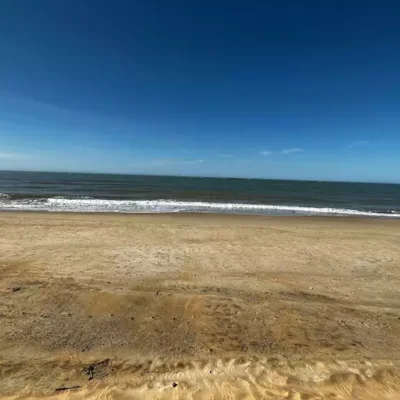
x=62, y=204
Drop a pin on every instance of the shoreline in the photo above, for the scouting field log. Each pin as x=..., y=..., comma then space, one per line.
x=205, y=217
x=136, y=206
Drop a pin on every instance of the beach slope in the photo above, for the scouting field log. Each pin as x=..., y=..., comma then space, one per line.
x=199, y=307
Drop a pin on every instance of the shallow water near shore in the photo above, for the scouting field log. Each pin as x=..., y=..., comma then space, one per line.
x=38, y=191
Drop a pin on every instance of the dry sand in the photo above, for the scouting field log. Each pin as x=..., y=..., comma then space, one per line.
x=198, y=307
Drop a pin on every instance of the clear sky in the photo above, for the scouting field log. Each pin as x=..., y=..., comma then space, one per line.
x=275, y=89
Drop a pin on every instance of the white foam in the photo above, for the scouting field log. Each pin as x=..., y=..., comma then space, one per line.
x=58, y=204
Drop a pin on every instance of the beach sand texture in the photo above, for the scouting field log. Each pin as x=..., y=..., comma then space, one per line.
x=199, y=307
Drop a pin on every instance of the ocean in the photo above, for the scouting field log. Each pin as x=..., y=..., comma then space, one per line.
x=73, y=192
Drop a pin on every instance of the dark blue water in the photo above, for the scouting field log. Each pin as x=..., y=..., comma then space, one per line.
x=132, y=193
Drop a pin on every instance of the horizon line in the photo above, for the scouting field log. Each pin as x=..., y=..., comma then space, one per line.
x=199, y=176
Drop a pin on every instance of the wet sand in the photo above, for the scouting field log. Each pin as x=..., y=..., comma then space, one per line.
x=199, y=307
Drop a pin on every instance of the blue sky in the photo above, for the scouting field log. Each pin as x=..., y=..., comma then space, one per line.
x=288, y=89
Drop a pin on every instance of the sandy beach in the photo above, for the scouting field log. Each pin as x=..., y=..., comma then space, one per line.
x=199, y=307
